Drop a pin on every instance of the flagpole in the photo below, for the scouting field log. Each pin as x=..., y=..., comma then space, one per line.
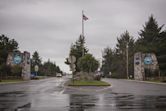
x=82, y=24
x=82, y=31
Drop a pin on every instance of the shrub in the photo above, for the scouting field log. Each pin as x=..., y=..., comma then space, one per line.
x=97, y=77
x=88, y=63
x=16, y=70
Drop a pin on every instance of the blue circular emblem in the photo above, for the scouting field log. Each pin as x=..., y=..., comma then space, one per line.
x=147, y=60
x=17, y=59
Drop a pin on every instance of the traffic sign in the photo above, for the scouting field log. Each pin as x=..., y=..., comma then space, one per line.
x=36, y=68
x=17, y=57
x=72, y=67
x=72, y=59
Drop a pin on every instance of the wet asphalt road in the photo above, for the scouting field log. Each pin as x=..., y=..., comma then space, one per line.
x=51, y=95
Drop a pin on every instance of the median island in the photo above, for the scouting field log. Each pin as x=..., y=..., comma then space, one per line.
x=86, y=79
x=84, y=66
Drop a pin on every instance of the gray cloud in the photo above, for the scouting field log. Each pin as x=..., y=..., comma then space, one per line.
x=50, y=26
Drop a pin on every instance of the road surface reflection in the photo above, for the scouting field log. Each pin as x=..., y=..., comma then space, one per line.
x=21, y=101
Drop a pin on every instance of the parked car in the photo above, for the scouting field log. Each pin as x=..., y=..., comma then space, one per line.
x=34, y=77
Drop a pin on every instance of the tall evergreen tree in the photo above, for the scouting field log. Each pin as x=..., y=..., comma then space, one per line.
x=107, y=61
x=36, y=60
x=6, y=45
x=117, y=63
x=149, y=36
x=78, y=50
x=50, y=69
x=161, y=53
x=152, y=40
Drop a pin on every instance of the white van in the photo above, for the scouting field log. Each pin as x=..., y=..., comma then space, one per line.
x=58, y=75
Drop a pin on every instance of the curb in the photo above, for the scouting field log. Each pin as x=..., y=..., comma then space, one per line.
x=149, y=82
x=82, y=88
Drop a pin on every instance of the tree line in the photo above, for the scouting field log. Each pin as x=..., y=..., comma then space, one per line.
x=47, y=68
x=8, y=45
x=152, y=39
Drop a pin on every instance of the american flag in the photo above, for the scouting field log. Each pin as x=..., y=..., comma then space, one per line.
x=84, y=17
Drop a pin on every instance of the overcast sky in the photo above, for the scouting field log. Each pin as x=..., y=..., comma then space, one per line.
x=50, y=26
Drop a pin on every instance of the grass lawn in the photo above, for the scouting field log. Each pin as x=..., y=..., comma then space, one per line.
x=88, y=83
x=11, y=81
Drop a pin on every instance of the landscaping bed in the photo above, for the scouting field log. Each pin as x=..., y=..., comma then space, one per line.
x=88, y=83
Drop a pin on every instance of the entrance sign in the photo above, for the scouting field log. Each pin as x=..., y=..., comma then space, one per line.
x=147, y=60
x=22, y=59
x=17, y=59
x=144, y=62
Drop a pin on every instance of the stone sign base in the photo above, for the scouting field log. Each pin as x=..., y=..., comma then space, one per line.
x=144, y=61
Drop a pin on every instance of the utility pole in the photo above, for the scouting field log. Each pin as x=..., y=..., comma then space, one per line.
x=127, y=62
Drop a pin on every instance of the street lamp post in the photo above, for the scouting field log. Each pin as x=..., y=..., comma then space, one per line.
x=127, y=63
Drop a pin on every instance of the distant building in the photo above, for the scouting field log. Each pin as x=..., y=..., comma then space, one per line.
x=21, y=59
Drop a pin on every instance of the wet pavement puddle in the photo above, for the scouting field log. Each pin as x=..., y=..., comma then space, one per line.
x=22, y=101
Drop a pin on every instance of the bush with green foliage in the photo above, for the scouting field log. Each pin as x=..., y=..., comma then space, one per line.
x=77, y=49
x=6, y=45
x=97, y=77
x=88, y=63
x=16, y=70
